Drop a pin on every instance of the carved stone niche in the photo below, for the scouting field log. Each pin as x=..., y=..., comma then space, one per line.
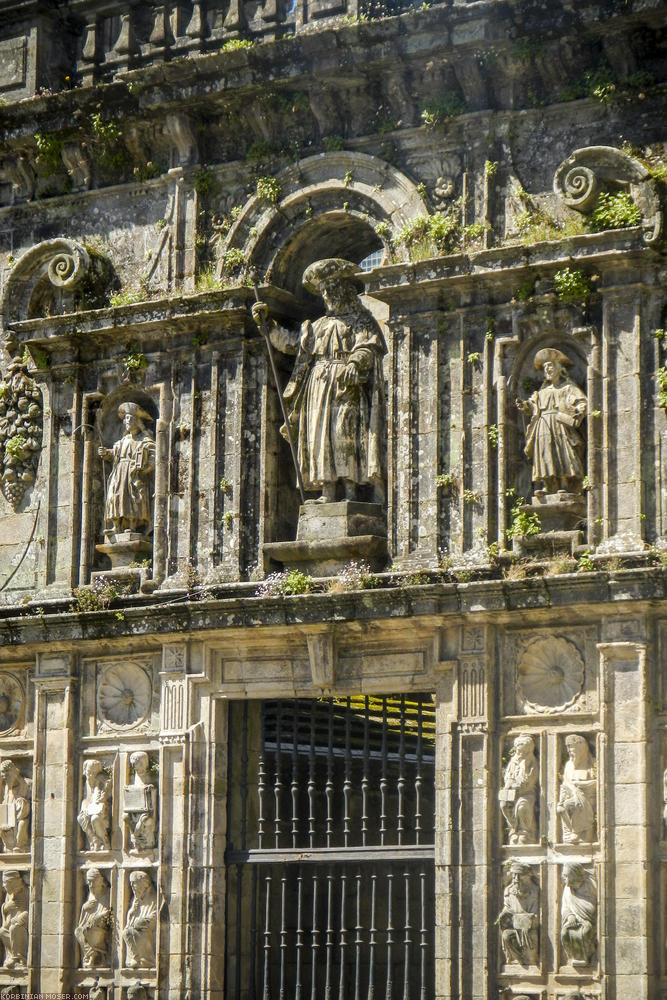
x=589, y=171
x=578, y=916
x=548, y=393
x=15, y=805
x=518, y=798
x=14, y=918
x=125, y=463
x=519, y=917
x=140, y=804
x=576, y=805
x=94, y=816
x=93, y=932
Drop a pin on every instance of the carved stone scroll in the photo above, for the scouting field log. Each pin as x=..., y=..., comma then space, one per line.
x=579, y=179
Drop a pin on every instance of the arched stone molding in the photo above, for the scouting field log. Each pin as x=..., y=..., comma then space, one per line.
x=329, y=205
x=580, y=178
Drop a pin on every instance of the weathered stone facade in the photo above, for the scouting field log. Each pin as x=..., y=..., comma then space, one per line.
x=492, y=176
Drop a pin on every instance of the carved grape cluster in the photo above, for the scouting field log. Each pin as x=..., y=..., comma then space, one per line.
x=20, y=431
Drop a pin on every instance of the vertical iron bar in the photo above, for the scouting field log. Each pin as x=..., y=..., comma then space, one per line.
x=266, y=993
x=298, y=989
x=295, y=782
x=314, y=944
x=383, y=776
x=261, y=782
x=329, y=785
x=239, y=914
x=347, y=782
x=418, y=775
x=277, y=783
x=400, y=784
x=364, y=779
x=244, y=775
x=407, y=939
x=390, y=938
x=343, y=936
x=358, y=941
x=372, y=942
x=329, y=937
x=311, y=779
x=422, y=936
x=283, y=931
x=253, y=936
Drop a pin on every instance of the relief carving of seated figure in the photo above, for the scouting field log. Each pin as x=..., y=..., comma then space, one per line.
x=94, y=818
x=139, y=932
x=578, y=915
x=93, y=930
x=519, y=918
x=15, y=809
x=577, y=799
x=142, y=822
x=14, y=928
x=518, y=795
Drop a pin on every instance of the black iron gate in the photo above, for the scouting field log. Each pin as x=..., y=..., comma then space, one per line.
x=330, y=857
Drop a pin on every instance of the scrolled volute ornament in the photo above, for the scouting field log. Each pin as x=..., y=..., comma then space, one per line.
x=66, y=269
x=588, y=171
x=62, y=263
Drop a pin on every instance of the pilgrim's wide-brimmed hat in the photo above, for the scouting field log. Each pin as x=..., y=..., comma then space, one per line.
x=551, y=354
x=321, y=271
x=134, y=409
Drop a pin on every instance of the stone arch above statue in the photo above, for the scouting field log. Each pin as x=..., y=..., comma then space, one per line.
x=587, y=172
x=328, y=206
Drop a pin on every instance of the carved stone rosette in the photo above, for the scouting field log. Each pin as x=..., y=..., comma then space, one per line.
x=21, y=416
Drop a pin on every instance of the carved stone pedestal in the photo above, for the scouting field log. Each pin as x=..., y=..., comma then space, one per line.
x=561, y=517
x=330, y=535
x=125, y=548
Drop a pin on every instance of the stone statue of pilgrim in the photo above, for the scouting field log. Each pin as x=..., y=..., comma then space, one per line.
x=128, y=501
x=335, y=397
x=555, y=412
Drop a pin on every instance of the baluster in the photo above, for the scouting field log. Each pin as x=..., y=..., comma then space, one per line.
x=295, y=783
x=195, y=28
x=407, y=939
x=347, y=782
x=364, y=778
x=89, y=53
x=372, y=943
x=277, y=783
x=329, y=937
x=358, y=941
x=400, y=784
x=283, y=931
x=343, y=937
x=160, y=37
x=244, y=773
x=390, y=938
x=314, y=945
x=311, y=780
x=298, y=989
x=383, y=775
x=266, y=994
x=423, y=931
x=418, y=775
x=329, y=785
x=119, y=56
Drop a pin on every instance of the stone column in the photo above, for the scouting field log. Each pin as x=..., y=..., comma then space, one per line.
x=52, y=916
x=626, y=927
x=446, y=917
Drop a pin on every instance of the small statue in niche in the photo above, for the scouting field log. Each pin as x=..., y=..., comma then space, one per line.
x=335, y=397
x=519, y=918
x=578, y=915
x=577, y=799
x=128, y=503
x=140, y=805
x=94, y=818
x=553, y=442
x=518, y=794
x=15, y=809
x=94, y=927
x=139, y=932
x=14, y=928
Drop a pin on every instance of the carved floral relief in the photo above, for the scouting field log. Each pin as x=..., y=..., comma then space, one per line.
x=123, y=695
x=20, y=431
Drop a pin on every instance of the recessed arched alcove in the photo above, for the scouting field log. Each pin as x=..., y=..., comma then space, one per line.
x=330, y=205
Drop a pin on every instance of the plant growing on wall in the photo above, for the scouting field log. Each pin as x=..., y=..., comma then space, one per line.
x=572, y=285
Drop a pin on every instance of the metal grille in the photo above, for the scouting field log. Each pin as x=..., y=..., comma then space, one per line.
x=330, y=857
